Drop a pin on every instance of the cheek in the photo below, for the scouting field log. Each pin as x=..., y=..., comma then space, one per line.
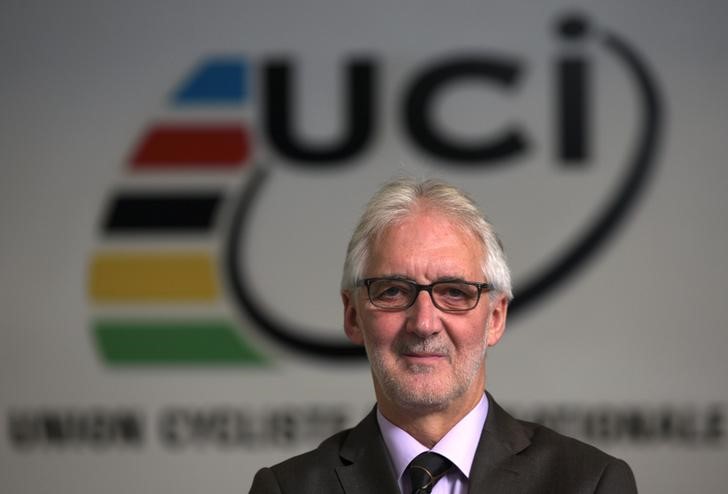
x=470, y=334
x=381, y=328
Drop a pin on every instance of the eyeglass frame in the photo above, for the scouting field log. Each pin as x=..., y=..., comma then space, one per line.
x=367, y=282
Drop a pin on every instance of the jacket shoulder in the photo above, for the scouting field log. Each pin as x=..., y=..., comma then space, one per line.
x=543, y=437
x=313, y=471
x=569, y=463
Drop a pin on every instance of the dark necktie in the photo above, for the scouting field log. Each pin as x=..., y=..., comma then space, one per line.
x=425, y=470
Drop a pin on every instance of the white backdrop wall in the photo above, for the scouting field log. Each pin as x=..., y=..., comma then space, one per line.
x=159, y=224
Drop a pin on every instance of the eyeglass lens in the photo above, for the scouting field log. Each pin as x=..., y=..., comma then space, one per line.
x=446, y=295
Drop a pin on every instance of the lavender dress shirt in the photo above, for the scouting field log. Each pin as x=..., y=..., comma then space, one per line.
x=458, y=446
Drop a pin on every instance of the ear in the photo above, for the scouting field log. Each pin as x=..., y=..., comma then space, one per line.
x=497, y=320
x=352, y=328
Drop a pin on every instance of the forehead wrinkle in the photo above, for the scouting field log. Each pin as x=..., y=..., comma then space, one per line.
x=426, y=248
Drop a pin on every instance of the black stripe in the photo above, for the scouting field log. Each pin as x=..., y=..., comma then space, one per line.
x=163, y=212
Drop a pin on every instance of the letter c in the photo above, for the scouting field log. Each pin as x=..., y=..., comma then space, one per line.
x=418, y=117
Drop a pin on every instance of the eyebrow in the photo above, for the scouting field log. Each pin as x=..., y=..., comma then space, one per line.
x=442, y=279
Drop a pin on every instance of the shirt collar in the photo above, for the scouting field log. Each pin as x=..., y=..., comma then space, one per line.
x=458, y=445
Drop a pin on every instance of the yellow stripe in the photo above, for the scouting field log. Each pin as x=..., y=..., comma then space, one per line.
x=152, y=277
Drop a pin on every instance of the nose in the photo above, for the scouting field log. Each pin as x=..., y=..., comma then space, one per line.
x=423, y=318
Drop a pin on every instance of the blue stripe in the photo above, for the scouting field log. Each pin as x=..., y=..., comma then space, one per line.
x=215, y=81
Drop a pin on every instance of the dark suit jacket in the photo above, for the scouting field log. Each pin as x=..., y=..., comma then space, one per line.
x=513, y=457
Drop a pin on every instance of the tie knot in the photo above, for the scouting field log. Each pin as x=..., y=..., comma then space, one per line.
x=425, y=470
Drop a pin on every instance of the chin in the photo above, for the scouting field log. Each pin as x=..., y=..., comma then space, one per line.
x=413, y=394
x=422, y=404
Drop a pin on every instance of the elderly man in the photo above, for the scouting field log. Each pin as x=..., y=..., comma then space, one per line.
x=426, y=290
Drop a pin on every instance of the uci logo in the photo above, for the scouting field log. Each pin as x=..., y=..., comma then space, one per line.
x=420, y=115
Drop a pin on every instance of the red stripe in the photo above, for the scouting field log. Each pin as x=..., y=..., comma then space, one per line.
x=193, y=146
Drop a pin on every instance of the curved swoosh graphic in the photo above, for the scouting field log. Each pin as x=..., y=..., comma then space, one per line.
x=622, y=202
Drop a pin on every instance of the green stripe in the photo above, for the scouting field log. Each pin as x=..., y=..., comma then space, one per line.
x=147, y=342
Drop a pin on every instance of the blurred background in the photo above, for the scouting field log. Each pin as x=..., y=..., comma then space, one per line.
x=180, y=180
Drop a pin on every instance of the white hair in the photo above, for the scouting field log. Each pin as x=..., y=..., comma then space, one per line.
x=399, y=198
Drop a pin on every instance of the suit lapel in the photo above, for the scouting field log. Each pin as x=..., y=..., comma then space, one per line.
x=496, y=467
x=367, y=467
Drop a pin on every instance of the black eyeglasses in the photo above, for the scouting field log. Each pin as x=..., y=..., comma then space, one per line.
x=448, y=296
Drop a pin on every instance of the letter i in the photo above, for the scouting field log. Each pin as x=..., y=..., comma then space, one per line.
x=573, y=96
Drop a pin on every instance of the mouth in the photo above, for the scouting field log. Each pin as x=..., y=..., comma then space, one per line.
x=423, y=353
x=423, y=357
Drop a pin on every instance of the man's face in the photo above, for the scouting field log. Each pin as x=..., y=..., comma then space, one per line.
x=423, y=358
